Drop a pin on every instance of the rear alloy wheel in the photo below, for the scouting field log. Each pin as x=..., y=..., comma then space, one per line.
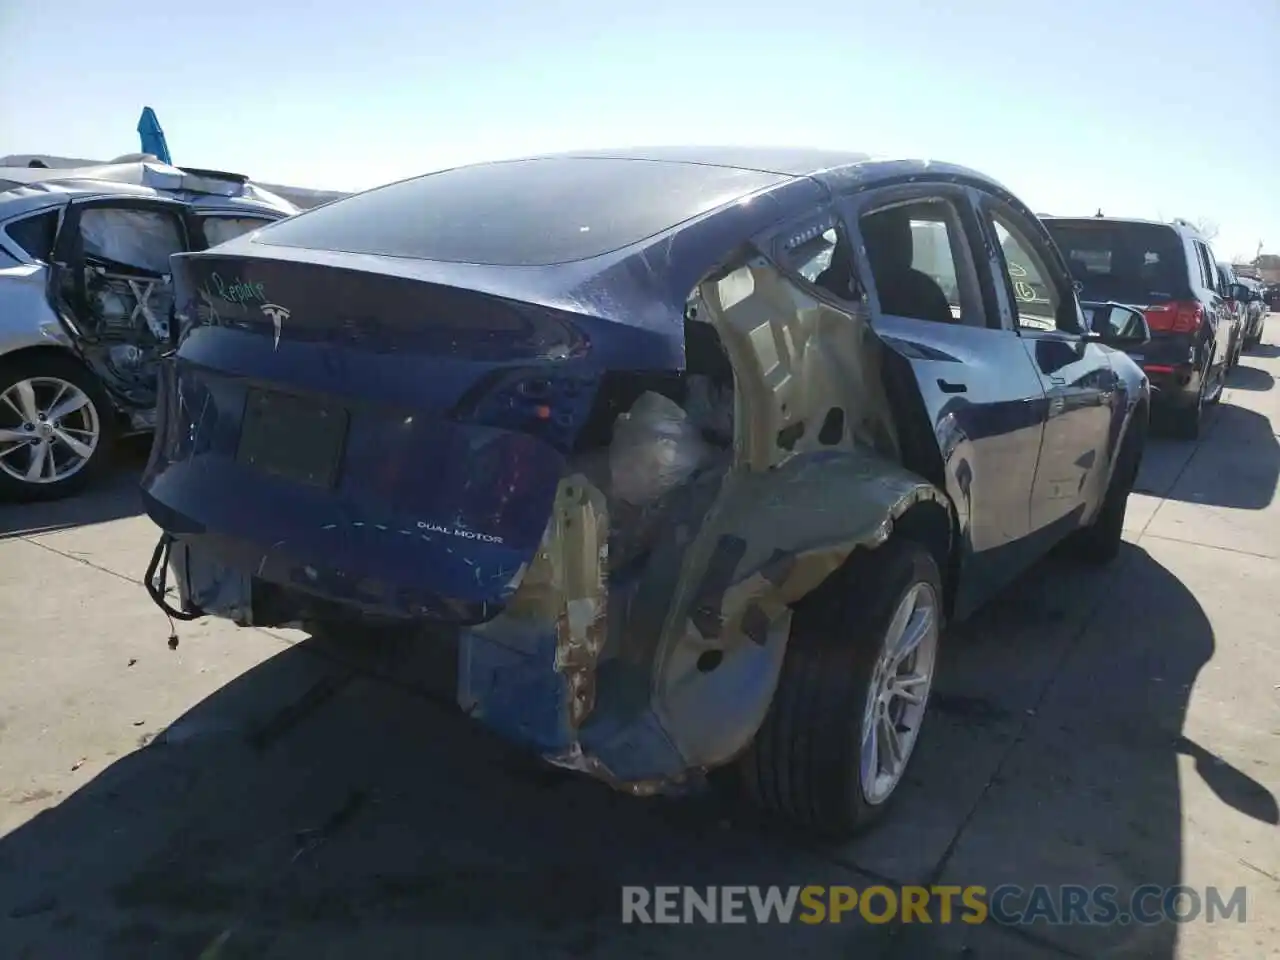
x=55, y=427
x=852, y=694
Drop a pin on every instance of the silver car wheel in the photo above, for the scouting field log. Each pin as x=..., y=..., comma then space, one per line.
x=49, y=430
x=899, y=693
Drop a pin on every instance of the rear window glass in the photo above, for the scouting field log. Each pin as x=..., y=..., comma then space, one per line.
x=521, y=212
x=1129, y=262
x=221, y=229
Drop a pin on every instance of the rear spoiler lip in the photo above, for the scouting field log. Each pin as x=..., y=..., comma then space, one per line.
x=239, y=178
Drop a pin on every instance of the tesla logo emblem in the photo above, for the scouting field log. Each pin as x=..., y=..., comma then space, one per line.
x=278, y=315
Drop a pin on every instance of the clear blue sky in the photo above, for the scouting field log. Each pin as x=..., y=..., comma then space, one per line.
x=1140, y=107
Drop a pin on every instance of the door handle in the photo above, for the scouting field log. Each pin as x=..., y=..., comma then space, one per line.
x=947, y=387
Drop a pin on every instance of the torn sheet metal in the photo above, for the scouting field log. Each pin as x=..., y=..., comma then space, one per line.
x=786, y=532
x=530, y=672
x=697, y=635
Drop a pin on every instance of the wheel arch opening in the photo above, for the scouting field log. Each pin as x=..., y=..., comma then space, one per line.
x=929, y=524
x=44, y=349
x=932, y=526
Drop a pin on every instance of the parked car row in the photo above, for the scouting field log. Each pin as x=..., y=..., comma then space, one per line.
x=1200, y=315
x=687, y=456
x=1271, y=296
x=1257, y=307
x=85, y=303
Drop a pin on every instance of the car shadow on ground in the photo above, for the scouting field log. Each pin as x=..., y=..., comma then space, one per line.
x=1088, y=792
x=1267, y=351
x=1250, y=378
x=112, y=497
x=1236, y=463
x=328, y=803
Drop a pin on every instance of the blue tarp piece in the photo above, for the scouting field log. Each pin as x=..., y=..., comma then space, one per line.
x=152, y=136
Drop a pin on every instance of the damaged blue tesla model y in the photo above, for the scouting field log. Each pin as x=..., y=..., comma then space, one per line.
x=687, y=454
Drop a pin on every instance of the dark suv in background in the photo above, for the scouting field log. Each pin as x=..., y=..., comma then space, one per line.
x=1169, y=272
x=1255, y=312
x=1237, y=296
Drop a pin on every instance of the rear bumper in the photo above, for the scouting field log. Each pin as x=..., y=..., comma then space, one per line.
x=1173, y=364
x=524, y=697
x=523, y=678
x=1173, y=386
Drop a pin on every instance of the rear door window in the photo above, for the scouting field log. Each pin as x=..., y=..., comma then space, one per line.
x=1128, y=262
x=914, y=250
x=1207, y=272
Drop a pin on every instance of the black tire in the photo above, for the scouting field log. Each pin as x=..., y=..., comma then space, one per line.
x=1221, y=383
x=1099, y=543
x=1185, y=422
x=48, y=364
x=804, y=764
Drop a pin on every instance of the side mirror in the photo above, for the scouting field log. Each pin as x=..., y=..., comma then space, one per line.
x=1116, y=325
x=1238, y=291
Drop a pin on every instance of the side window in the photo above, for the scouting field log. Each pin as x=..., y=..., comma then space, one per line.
x=35, y=235
x=821, y=253
x=916, y=252
x=1036, y=298
x=1207, y=271
x=132, y=238
x=221, y=229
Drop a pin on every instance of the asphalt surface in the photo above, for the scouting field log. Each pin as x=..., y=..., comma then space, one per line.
x=255, y=794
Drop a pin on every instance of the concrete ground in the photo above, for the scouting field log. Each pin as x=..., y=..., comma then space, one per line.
x=252, y=794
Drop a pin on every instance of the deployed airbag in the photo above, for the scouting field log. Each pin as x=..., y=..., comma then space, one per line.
x=143, y=239
x=655, y=447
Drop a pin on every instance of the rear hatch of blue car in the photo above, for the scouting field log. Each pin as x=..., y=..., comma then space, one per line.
x=374, y=439
x=374, y=402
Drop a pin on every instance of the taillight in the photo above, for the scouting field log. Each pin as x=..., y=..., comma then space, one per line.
x=1180, y=316
x=549, y=405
